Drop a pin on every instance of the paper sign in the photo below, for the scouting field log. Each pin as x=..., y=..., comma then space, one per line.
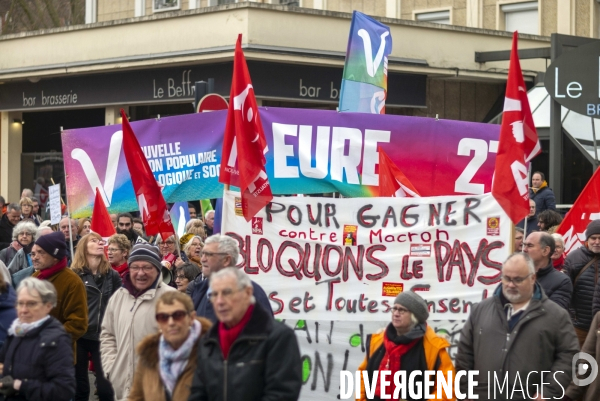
x=54, y=195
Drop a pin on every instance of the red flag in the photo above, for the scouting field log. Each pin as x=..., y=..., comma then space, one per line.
x=392, y=181
x=518, y=144
x=244, y=145
x=101, y=222
x=153, y=207
x=585, y=209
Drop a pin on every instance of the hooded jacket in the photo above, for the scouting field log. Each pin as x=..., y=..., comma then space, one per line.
x=263, y=363
x=43, y=360
x=542, y=340
x=147, y=383
x=583, y=289
x=543, y=198
x=126, y=322
x=434, y=348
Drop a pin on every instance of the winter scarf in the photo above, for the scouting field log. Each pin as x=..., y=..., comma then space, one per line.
x=395, y=347
x=19, y=329
x=172, y=362
x=51, y=271
x=122, y=269
x=559, y=263
x=228, y=336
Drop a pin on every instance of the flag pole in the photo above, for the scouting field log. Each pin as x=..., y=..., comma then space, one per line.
x=525, y=221
x=69, y=216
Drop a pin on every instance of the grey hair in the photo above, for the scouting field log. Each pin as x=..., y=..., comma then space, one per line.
x=174, y=237
x=519, y=230
x=45, y=223
x=226, y=245
x=206, y=214
x=34, y=199
x=526, y=257
x=189, y=224
x=24, y=226
x=242, y=279
x=44, y=288
x=188, y=244
x=13, y=206
x=42, y=231
x=558, y=238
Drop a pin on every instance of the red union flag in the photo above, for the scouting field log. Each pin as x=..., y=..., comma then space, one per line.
x=153, y=207
x=101, y=222
x=518, y=144
x=585, y=209
x=244, y=144
x=392, y=181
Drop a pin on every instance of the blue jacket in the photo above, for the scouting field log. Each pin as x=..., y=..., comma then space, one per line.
x=543, y=198
x=43, y=360
x=205, y=309
x=8, y=313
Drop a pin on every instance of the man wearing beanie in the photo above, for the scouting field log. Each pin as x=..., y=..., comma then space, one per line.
x=49, y=259
x=407, y=344
x=583, y=268
x=129, y=316
x=520, y=341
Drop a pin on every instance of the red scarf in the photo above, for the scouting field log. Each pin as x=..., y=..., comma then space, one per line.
x=228, y=336
x=51, y=271
x=122, y=269
x=391, y=362
x=558, y=263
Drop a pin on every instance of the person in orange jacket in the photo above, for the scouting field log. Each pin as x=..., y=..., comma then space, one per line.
x=407, y=344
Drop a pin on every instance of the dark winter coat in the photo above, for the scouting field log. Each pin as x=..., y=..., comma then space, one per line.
x=6, y=232
x=263, y=363
x=583, y=289
x=8, y=254
x=591, y=346
x=542, y=340
x=556, y=285
x=543, y=198
x=205, y=309
x=8, y=312
x=43, y=361
x=97, y=299
x=531, y=224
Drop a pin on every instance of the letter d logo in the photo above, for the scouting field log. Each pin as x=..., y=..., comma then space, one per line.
x=581, y=368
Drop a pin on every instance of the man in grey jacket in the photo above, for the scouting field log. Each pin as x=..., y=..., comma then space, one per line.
x=521, y=343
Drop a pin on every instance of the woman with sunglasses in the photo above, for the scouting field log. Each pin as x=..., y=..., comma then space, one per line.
x=167, y=360
x=407, y=344
x=101, y=281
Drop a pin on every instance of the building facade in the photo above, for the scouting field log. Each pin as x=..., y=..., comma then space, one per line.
x=145, y=55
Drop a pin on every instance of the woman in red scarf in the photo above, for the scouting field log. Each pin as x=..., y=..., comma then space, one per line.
x=558, y=257
x=407, y=344
x=118, y=252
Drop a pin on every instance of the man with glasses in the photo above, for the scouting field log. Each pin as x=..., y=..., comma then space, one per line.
x=556, y=285
x=219, y=252
x=49, y=258
x=520, y=336
x=129, y=317
x=246, y=355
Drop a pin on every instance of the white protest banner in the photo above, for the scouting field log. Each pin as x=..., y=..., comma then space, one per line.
x=54, y=196
x=347, y=259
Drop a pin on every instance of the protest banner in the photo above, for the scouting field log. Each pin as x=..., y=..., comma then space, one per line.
x=440, y=157
x=347, y=259
x=54, y=200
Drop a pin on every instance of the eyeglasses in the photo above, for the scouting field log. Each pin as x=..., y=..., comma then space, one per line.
x=112, y=250
x=209, y=254
x=27, y=234
x=516, y=280
x=146, y=269
x=27, y=304
x=177, y=316
x=180, y=277
x=167, y=243
x=226, y=294
x=399, y=310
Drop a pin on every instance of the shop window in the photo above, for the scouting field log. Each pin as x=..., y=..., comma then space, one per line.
x=165, y=5
x=439, y=17
x=522, y=17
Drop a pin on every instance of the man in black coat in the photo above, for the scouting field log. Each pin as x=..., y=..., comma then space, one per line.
x=247, y=355
x=556, y=285
x=583, y=267
x=541, y=194
x=8, y=221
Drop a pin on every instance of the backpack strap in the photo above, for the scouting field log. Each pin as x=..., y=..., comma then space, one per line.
x=594, y=259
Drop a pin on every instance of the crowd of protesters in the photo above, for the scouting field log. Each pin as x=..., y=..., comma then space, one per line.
x=173, y=318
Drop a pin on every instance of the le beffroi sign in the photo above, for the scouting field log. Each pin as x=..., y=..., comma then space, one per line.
x=573, y=79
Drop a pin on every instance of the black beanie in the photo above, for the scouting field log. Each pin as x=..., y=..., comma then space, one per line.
x=54, y=244
x=592, y=228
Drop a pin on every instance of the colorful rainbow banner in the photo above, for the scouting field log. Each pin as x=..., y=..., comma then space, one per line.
x=364, y=82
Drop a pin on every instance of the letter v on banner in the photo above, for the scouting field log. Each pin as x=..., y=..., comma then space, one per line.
x=244, y=144
x=518, y=144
